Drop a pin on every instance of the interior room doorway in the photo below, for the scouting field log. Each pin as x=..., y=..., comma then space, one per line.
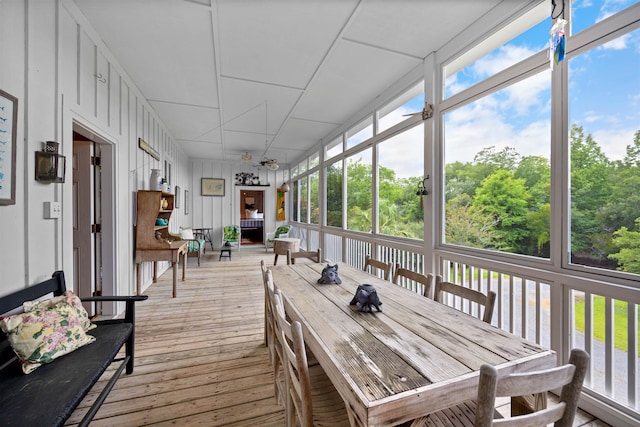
x=93, y=238
x=252, y=217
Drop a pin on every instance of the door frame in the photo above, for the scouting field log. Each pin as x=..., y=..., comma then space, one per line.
x=108, y=212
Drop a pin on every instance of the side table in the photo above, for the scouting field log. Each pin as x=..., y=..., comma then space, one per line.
x=281, y=244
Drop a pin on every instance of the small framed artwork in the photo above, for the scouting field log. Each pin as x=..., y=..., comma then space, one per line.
x=50, y=167
x=212, y=186
x=176, y=201
x=186, y=202
x=8, y=129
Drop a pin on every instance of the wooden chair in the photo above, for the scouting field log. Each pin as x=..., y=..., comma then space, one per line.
x=315, y=256
x=276, y=352
x=268, y=316
x=482, y=412
x=311, y=399
x=385, y=267
x=281, y=231
x=195, y=247
x=487, y=301
x=426, y=281
x=231, y=237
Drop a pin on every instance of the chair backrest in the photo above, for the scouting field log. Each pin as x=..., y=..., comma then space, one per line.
x=315, y=256
x=296, y=365
x=570, y=377
x=425, y=280
x=276, y=351
x=486, y=300
x=385, y=267
x=282, y=231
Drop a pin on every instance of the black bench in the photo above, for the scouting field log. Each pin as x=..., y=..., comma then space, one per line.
x=49, y=395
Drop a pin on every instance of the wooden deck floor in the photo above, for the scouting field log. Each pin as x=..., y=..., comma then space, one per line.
x=200, y=358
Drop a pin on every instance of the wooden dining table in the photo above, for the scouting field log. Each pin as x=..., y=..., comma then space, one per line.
x=415, y=357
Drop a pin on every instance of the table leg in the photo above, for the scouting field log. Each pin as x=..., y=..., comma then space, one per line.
x=155, y=271
x=184, y=264
x=138, y=278
x=275, y=260
x=175, y=278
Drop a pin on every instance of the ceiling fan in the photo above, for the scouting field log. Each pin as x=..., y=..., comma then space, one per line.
x=271, y=164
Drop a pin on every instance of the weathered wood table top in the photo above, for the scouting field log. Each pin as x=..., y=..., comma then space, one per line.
x=415, y=357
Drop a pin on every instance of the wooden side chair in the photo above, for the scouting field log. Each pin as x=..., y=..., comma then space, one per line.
x=374, y=263
x=312, y=400
x=425, y=280
x=486, y=300
x=276, y=352
x=268, y=315
x=482, y=412
x=315, y=256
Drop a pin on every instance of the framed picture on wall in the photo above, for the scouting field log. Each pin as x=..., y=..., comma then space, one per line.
x=186, y=202
x=212, y=186
x=176, y=202
x=8, y=129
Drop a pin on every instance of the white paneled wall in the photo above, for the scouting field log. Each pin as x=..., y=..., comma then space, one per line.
x=216, y=212
x=62, y=74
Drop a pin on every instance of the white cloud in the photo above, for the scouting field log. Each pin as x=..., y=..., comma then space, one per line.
x=501, y=59
x=614, y=141
x=617, y=44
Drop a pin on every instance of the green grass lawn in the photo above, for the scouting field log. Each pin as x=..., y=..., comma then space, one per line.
x=620, y=321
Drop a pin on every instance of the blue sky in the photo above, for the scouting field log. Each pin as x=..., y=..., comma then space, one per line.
x=604, y=93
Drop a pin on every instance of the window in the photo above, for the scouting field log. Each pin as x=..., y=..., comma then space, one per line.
x=585, y=13
x=400, y=170
x=497, y=173
x=334, y=194
x=314, y=160
x=520, y=39
x=304, y=200
x=393, y=113
x=360, y=132
x=333, y=148
x=359, y=191
x=605, y=155
x=314, y=198
x=295, y=201
x=302, y=166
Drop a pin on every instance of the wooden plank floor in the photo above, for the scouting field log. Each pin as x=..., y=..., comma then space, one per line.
x=200, y=357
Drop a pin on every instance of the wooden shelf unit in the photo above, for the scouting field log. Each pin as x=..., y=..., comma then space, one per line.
x=148, y=247
x=148, y=211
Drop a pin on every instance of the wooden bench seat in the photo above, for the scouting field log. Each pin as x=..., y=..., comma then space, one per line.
x=49, y=395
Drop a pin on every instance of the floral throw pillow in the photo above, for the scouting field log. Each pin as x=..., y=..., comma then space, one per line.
x=69, y=297
x=44, y=334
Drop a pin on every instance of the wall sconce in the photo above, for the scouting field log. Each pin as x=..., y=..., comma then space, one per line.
x=285, y=187
x=422, y=187
x=49, y=165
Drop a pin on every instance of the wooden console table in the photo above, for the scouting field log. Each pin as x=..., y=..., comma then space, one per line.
x=171, y=253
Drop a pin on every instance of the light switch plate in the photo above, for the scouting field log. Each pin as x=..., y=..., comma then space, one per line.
x=52, y=210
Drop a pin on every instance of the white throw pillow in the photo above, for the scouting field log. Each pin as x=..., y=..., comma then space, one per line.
x=186, y=234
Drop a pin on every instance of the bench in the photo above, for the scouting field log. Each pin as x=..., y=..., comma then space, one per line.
x=49, y=395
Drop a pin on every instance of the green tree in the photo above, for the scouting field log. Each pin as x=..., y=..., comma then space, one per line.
x=334, y=194
x=359, y=196
x=590, y=190
x=628, y=244
x=623, y=203
x=467, y=226
x=507, y=199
